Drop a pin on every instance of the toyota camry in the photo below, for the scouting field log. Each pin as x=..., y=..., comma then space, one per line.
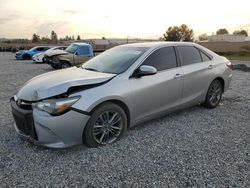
x=129, y=84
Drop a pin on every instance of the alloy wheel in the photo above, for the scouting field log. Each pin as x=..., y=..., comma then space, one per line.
x=107, y=127
x=215, y=92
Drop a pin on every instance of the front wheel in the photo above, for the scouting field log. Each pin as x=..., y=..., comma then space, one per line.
x=26, y=57
x=214, y=94
x=106, y=125
x=54, y=66
x=64, y=65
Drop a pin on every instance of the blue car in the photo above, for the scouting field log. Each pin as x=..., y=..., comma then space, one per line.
x=27, y=54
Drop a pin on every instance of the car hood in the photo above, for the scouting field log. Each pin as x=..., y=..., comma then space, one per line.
x=21, y=51
x=55, y=52
x=57, y=82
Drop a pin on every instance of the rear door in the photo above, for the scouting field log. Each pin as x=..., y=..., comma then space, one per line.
x=154, y=94
x=197, y=73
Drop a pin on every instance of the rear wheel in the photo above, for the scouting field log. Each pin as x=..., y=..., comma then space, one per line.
x=214, y=94
x=106, y=125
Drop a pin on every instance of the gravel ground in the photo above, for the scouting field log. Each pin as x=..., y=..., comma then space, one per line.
x=196, y=147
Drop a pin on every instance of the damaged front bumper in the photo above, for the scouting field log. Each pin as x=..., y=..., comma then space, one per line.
x=46, y=130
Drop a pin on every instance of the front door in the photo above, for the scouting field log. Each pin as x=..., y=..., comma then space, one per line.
x=157, y=93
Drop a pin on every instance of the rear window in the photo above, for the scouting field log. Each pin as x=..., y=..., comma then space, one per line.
x=189, y=55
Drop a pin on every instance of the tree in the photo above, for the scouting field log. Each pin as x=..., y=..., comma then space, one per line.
x=54, y=37
x=45, y=39
x=179, y=33
x=103, y=38
x=203, y=37
x=222, y=31
x=241, y=32
x=78, y=37
x=35, y=38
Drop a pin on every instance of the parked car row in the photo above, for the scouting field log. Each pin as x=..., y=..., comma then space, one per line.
x=60, y=56
x=39, y=57
x=129, y=84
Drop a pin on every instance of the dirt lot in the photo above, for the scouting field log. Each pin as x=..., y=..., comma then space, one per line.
x=196, y=147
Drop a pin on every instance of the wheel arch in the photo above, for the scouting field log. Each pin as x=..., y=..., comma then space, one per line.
x=119, y=103
x=222, y=81
x=65, y=61
x=26, y=55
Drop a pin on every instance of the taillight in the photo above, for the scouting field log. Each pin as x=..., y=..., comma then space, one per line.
x=229, y=65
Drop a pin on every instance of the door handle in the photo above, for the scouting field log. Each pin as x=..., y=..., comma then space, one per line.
x=177, y=75
x=210, y=66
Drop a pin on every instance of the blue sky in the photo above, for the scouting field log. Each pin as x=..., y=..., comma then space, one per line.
x=119, y=18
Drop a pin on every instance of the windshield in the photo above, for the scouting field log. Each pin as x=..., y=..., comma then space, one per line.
x=115, y=60
x=71, y=48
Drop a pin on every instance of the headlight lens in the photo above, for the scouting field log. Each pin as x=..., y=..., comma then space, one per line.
x=56, y=106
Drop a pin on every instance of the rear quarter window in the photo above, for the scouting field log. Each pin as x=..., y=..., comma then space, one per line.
x=204, y=56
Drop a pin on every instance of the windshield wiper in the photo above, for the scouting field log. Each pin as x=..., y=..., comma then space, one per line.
x=91, y=69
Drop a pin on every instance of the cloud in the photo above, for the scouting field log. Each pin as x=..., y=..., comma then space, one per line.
x=70, y=11
x=8, y=18
x=61, y=27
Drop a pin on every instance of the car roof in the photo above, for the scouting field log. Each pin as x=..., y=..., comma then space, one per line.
x=158, y=44
x=81, y=43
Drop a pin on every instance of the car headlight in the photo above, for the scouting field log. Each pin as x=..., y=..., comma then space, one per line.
x=56, y=106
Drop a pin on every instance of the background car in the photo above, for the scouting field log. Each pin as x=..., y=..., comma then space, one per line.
x=120, y=88
x=39, y=57
x=27, y=54
x=75, y=54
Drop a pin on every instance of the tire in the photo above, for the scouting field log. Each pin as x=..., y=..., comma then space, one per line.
x=54, y=66
x=26, y=57
x=99, y=132
x=64, y=65
x=214, y=94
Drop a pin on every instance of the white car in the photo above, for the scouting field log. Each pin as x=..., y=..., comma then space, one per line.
x=39, y=58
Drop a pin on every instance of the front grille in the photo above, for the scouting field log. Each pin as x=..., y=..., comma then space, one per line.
x=24, y=119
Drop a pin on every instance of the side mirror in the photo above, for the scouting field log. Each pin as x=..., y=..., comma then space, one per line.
x=76, y=53
x=145, y=70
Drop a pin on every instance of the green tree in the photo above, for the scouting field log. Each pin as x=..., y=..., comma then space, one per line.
x=54, y=38
x=179, y=33
x=78, y=37
x=35, y=38
x=241, y=32
x=222, y=31
x=45, y=39
x=203, y=37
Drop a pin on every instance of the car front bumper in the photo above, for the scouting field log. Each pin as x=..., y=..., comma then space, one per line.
x=49, y=131
x=35, y=58
x=18, y=56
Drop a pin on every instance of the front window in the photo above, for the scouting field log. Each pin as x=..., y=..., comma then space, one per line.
x=115, y=60
x=72, y=48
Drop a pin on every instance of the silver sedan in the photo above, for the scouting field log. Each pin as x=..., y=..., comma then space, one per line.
x=122, y=87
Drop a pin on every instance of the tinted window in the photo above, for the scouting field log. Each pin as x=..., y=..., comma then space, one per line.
x=40, y=49
x=204, y=57
x=189, y=55
x=161, y=59
x=83, y=50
